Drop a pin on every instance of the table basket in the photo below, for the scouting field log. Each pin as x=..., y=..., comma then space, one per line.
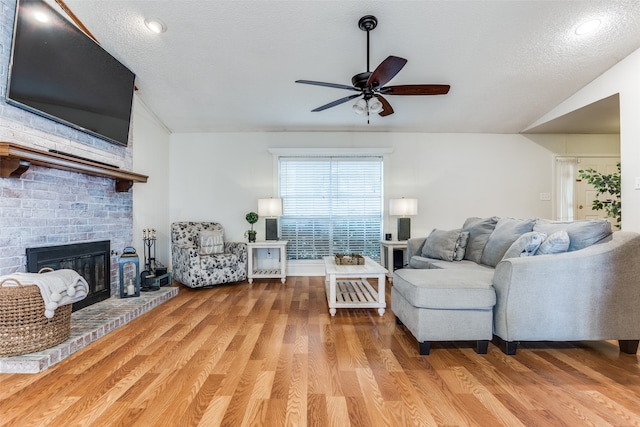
x=351, y=259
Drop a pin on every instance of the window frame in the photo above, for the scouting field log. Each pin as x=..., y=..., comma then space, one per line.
x=373, y=245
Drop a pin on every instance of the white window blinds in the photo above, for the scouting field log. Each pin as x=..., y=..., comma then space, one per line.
x=331, y=205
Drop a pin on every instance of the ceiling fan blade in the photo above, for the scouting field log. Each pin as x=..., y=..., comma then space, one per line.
x=386, y=71
x=416, y=90
x=386, y=107
x=333, y=85
x=337, y=102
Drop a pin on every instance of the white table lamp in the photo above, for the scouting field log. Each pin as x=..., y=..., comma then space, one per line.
x=403, y=208
x=270, y=209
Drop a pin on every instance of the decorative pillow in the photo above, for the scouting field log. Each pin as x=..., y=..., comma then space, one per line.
x=461, y=245
x=441, y=244
x=581, y=233
x=211, y=242
x=555, y=243
x=525, y=245
x=506, y=232
x=479, y=230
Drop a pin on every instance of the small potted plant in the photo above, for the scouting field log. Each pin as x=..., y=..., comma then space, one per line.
x=251, y=218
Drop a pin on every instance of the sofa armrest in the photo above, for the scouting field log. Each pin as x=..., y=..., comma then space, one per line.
x=237, y=248
x=184, y=259
x=589, y=294
x=414, y=246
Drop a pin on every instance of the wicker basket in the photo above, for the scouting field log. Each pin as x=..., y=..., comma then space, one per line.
x=353, y=259
x=23, y=326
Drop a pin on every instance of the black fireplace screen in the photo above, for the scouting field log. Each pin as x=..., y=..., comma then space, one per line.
x=90, y=260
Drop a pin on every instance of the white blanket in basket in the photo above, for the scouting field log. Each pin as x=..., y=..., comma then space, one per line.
x=59, y=287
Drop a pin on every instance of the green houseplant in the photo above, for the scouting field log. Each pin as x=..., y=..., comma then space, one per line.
x=605, y=185
x=251, y=218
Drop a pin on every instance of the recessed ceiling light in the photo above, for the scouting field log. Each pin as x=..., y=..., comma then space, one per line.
x=155, y=25
x=587, y=27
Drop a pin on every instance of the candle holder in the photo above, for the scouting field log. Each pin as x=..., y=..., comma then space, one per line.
x=127, y=287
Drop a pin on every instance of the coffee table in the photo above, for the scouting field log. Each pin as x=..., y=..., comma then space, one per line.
x=347, y=285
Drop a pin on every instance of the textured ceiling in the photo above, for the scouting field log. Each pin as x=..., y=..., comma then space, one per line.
x=231, y=65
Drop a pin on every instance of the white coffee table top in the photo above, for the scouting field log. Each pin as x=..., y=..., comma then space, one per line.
x=369, y=267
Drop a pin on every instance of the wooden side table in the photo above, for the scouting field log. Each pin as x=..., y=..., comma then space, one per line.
x=256, y=268
x=386, y=254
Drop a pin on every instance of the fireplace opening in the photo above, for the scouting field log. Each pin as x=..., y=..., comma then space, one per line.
x=90, y=260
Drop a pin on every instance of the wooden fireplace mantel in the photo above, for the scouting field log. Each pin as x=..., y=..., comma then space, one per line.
x=15, y=160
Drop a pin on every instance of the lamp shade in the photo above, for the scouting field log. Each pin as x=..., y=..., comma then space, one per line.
x=403, y=207
x=270, y=207
x=360, y=106
x=375, y=106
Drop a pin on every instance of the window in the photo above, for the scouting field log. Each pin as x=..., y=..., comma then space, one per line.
x=331, y=205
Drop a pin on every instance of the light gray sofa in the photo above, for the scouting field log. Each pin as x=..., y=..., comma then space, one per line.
x=586, y=286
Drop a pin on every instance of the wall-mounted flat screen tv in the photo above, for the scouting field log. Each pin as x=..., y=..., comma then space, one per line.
x=57, y=71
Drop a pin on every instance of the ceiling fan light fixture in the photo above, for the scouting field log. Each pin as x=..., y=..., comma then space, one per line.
x=375, y=106
x=360, y=106
x=371, y=85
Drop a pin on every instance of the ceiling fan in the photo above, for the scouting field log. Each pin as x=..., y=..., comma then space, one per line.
x=371, y=85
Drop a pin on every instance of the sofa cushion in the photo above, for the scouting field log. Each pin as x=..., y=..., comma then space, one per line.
x=581, y=233
x=211, y=242
x=506, y=232
x=525, y=245
x=441, y=244
x=419, y=262
x=187, y=233
x=461, y=246
x=479, y=230
x=555, y=243
x=464, y=265
x=448, y=289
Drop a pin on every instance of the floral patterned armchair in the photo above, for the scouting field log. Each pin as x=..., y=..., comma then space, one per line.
x=201, y=258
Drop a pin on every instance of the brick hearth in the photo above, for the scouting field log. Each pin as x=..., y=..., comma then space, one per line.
x=88, y=325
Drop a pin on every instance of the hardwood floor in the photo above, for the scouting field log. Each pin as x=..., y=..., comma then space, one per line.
x=269, y=354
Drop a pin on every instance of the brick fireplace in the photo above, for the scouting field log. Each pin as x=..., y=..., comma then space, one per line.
x=50, y=207
x=90, y=260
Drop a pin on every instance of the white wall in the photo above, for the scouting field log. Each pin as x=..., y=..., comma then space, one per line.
x=623, y=79
x=221, y=176
x=151, y=199
x=594, y=145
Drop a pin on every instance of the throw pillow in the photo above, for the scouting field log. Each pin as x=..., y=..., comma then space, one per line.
x=506, y=232
x=211, y=242
x=525, y=245
x=461, y=246
x=581, y=233
x=555, y=243
x=441, y=244
x=479, y=230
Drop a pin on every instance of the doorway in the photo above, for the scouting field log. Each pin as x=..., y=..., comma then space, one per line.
x=574, y=195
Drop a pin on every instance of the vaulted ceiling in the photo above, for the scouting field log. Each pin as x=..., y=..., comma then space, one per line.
x=232, y=65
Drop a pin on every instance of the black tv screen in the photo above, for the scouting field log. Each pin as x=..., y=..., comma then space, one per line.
x=59, y=72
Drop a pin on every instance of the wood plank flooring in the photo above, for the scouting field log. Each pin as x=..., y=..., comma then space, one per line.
x=269, y=354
